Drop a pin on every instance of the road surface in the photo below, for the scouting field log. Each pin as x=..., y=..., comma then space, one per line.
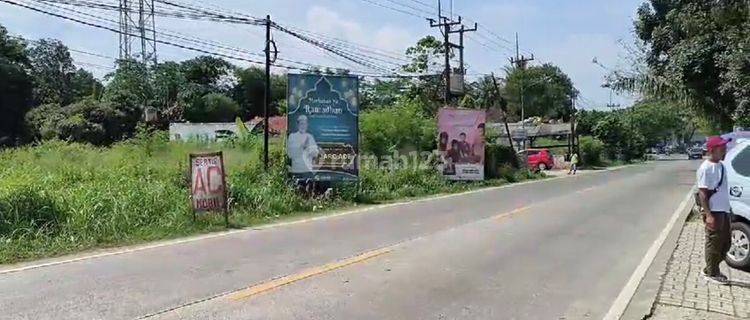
x=557, y=249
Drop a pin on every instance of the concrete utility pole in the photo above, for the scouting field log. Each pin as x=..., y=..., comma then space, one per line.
x=460, y=45
x=504, y=108
x=521, y=62
x=445, y=24
x=267, y=90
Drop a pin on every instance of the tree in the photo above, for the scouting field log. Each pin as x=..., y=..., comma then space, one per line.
x=480, y=94
x=52, y=70
x=89, y=120
x=83, y=85
x=620, y=136
x=657, y=121
x=15, y=88
x=587, y=119
x=213, y=107
x=210, y=73
x=128, y=93
x=427, y=57
x=250, y=91
x=381, y=93
x=169, y=83
x=547, y=92
x=697, y=52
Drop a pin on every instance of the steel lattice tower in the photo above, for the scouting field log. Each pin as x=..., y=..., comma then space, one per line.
x=138, y=24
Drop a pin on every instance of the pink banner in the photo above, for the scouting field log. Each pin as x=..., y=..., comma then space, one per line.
x=461, y=143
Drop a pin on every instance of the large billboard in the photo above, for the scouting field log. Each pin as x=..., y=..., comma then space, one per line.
x=461, y=143
x=323, y=127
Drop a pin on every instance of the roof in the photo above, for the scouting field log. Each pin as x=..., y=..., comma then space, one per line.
x=276, y=125
x=532, y=130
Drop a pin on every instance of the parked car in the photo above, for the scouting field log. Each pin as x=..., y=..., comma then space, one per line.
x=737, y=166
x=695, y=153
x=538, y=159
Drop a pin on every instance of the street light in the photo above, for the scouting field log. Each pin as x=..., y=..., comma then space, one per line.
x=606, y=83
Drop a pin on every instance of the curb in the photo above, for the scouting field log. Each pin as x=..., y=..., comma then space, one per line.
x=643, y=302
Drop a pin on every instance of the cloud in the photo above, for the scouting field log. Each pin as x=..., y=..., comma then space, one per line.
x=326, y=21
x=329, y=22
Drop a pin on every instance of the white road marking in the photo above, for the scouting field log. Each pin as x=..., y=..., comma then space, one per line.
x=626, y=294
x=166, y=243
x=159, y=244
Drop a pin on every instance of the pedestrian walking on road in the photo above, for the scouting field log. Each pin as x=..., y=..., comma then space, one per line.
x=713, y=197
x=573, y=163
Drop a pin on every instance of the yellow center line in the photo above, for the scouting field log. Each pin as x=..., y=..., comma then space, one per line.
x=586, y=190
x=511, y=213
x=273, y=284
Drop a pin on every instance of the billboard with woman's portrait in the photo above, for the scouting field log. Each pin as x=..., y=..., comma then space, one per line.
x=461, y=143
x=323, y=127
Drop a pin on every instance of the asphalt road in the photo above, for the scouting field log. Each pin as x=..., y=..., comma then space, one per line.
x=555, y=249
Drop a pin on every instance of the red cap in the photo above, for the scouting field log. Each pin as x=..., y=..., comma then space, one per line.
x=714, y=142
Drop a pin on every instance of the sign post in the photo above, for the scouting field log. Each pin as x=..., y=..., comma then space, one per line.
x=208, y=187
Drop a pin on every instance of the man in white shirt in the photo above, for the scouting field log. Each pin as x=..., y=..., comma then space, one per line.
x=714, y=200
x=302, y=148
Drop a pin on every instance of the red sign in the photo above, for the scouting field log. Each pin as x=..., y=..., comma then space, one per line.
x=208, y=185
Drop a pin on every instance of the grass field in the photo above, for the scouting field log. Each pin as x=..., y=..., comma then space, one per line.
x=58, y=197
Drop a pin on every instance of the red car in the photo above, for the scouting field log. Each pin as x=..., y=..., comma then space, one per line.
x=539, y=159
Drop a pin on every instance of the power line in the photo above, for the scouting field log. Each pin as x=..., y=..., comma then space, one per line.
x=188, y=47
x=394, y=9
x=224, y=16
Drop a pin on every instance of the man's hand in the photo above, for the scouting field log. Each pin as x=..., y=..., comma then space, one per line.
x=710, y=221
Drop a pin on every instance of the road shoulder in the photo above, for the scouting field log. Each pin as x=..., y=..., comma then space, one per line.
x=642, y=302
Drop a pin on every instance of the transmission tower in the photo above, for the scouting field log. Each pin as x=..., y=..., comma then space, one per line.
x=137, y=25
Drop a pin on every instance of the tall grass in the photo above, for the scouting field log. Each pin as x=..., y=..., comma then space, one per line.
x=60, y=197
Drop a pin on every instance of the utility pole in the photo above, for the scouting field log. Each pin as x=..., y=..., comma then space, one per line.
x=504, y=108
x=267, y=92
x=520, y=62
x=445, y=24
x=460, y=45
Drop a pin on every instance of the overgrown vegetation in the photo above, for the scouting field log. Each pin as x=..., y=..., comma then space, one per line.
x=61, y=197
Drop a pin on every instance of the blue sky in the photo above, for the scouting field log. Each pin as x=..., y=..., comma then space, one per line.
x=568, y=33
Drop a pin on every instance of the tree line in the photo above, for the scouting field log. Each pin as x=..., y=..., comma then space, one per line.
x=45, y=95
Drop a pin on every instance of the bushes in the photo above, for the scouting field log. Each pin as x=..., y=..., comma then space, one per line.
x=59, y=197
x=497, y=157
x=28, y=209
x=620, y=137
x=213, y=107
x=402, y=127
x=92, y=121
x=591, y=151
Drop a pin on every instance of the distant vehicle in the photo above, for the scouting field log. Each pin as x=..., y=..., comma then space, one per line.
x=539, y=159
x=695, y=153
x=737, y=166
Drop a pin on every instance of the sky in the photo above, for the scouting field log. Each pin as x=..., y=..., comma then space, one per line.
x=567, y=33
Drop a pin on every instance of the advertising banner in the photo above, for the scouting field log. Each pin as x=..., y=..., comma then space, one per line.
x=208, y=185
x=461, y=143
x=323, y=127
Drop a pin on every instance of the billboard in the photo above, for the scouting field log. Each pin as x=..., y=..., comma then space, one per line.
x=323, y=127
x=208, y=185
x=461, y=143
